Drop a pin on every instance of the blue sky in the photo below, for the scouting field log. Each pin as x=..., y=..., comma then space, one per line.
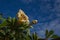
x=47, y=12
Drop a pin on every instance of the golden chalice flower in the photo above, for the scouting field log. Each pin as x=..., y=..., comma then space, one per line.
x=22, y=17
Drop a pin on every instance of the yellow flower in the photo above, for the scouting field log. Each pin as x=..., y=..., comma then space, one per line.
x=22, y=17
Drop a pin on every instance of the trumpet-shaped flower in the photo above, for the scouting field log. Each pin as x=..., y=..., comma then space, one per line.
x=22, y=17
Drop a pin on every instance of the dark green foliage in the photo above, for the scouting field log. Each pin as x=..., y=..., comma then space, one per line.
x=11, y=30
x=34, y=36
x=50, y=34
x=55, y=36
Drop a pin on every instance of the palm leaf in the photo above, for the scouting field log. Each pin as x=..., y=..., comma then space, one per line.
x=51, y=32
x=35, y=36
x=55, y=36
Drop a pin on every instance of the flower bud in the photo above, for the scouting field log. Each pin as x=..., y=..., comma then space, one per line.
x=34, y=21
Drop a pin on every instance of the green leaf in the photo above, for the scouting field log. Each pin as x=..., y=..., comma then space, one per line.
x=2, y=33
x=1, y=16
x=46, y=34
x=3, y=24
x=55, y=36
x=13, y=21
x=21, y=28
x=50, y=33
x=9, y=19
x=35, y=36
x=28, y=37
